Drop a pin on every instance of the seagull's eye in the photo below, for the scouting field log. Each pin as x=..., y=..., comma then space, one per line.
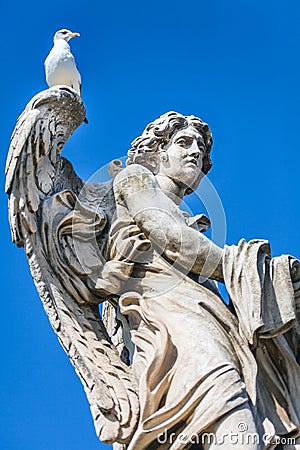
x=64, y=32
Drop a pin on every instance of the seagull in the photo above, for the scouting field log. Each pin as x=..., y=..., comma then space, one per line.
x=60, y=65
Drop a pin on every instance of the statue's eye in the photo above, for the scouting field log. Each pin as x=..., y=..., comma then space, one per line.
x=184, y=142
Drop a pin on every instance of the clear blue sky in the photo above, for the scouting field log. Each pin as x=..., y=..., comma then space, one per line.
x=235, y=64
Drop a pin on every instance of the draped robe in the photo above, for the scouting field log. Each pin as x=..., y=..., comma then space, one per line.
x=194, y=359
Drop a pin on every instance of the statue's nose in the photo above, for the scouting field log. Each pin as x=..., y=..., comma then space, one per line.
x=194, y=150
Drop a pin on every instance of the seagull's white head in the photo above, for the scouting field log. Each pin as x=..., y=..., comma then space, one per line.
x=64, y=34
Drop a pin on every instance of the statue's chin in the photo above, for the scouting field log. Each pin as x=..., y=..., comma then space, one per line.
x=189, y=177
x=191, y=183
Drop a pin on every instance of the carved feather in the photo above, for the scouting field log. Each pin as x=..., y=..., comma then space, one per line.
x=63, y=234
x=40, y=133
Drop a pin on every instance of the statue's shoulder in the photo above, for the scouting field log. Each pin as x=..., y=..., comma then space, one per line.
x=133, y=178
x=133, y=170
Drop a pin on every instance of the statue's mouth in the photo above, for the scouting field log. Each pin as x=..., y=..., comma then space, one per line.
x=192, y=161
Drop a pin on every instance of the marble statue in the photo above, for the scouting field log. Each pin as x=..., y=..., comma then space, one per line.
x=184, y=367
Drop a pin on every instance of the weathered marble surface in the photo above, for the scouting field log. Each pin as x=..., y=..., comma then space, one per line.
x=188, y=363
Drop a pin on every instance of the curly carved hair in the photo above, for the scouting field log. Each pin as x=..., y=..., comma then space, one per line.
x=159, y=132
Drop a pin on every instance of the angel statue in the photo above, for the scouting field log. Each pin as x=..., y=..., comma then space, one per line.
x=184, y=370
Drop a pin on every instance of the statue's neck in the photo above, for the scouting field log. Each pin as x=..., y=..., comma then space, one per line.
x=171, y=188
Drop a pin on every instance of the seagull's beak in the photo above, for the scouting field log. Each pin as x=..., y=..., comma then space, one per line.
x=74, y=34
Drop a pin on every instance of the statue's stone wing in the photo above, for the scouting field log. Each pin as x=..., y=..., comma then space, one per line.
x=58, y=221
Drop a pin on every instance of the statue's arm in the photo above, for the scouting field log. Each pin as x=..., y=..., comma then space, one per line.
x=163, y=223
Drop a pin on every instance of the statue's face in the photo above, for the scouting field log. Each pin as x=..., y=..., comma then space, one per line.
x=182, y=158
